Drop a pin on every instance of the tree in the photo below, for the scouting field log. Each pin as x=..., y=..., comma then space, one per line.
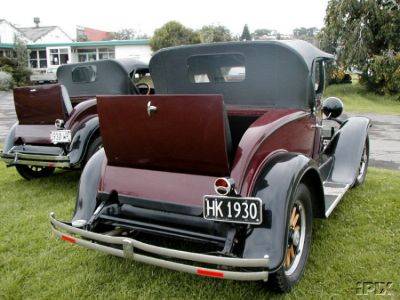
x=260, y=34
x=173, y=34
x=213, y=34
x=246, y=36
x=124, y=34
x=357, y=31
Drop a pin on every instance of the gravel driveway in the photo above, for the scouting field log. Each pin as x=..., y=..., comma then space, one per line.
x=384, y=134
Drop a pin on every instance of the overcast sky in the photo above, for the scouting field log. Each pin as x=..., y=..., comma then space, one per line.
x=145, y=16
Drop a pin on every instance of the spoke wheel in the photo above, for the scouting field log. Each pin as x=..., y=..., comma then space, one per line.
x=362, y=170
x=297, y=246
x=95, y=145
x=297, y=233
x=32, y=172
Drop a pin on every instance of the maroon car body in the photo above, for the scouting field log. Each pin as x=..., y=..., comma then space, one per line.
x=229, y=155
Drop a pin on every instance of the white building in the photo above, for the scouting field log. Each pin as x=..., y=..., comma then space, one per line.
x=49, y=47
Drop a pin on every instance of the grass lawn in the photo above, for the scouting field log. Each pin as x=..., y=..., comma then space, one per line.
x=357, y=99
x=360, y=242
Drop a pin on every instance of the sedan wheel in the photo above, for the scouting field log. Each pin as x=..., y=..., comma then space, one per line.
x=32, y=172
x=362, y=170
x=297, y=248
x=297, y=234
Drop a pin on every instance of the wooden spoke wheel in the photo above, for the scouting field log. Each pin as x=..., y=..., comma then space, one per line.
x=32, y=172
x=297, y=247
x=297, y=232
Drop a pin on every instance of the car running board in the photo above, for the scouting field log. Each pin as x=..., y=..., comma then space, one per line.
x=334, y=192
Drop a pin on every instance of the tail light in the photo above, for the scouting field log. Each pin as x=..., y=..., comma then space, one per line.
x=224, y=186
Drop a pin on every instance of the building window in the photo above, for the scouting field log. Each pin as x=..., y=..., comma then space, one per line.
x=7, y=53
x=59, y=56
x=87, y=55
x=106, y=53
x=38, y=59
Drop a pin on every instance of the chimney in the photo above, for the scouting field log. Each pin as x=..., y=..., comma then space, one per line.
x=36, y=20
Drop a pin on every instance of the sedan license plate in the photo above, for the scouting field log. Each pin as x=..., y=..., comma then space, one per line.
x=233, y=209
x=60, y=136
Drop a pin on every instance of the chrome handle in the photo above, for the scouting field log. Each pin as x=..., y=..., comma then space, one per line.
x=151, y=109
x=317, y=126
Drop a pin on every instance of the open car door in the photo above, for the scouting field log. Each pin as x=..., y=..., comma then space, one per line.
x=175, y=133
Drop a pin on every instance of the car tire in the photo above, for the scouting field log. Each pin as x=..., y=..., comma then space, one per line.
x=33, y=172
x=288, y=275
x=95, y=145
x=363, y=168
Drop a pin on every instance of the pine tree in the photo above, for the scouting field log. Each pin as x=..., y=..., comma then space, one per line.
x=246, y=36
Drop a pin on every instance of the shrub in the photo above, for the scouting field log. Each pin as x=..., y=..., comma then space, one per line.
x=20, y=73
x=6, y=81
x=337, y=75
x=173, y=34
x=382, y=74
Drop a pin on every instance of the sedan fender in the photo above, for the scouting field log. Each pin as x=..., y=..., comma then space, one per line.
x=88, y=186
x=10, y=138
x=346, y=148
x=82, y=139
x=276, y=186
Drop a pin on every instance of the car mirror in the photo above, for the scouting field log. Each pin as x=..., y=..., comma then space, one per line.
x=332, y=107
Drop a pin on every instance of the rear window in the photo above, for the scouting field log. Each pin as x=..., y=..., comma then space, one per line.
x=84, y=74
x=216, y=68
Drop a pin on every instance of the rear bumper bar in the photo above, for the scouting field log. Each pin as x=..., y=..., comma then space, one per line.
x=19, y=158
x=92, y=240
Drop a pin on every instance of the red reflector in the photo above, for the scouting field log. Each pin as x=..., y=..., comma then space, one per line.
x=221, y=182
x=208, y=273
x=68, y=239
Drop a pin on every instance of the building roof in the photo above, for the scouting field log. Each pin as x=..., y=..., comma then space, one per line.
x=35, y=33
x=82, y=44
x=94, y=34
x=93, y=44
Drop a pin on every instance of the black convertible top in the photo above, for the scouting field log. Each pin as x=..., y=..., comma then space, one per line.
x=112, y=77
x=277, y=73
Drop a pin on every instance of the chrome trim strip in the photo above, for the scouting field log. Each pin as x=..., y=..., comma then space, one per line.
x=25, y=156
x=130, y=244
x=18, y=158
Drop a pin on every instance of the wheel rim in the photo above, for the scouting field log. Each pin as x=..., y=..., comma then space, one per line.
x=363, y=164
x=296, y=238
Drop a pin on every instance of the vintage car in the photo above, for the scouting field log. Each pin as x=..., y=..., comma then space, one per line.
x=221, y=172
x=58, y=126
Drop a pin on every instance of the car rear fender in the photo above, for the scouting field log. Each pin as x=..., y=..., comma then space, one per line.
x=10, y=139
x=81, y=140
x=276, y=186
x=86, y=202
x=346, y=147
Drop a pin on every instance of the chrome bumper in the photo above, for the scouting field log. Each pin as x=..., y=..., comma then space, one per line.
x=18, y=158
x=90, y=240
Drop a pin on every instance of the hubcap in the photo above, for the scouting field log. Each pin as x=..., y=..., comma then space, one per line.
x=297, y=233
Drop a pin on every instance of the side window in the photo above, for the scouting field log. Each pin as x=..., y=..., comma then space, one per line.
x=84, y=74
x=319, y=77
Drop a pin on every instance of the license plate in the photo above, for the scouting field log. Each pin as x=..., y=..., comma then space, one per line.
x=233, y=209
x=60, y=136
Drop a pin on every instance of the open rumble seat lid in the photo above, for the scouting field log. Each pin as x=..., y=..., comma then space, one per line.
x=175, y=133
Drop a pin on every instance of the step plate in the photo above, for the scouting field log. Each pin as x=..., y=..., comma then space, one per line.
x=334, y=192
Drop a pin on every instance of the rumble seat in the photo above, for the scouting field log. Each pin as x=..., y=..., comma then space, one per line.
x=183, y=133
x=42, y=105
